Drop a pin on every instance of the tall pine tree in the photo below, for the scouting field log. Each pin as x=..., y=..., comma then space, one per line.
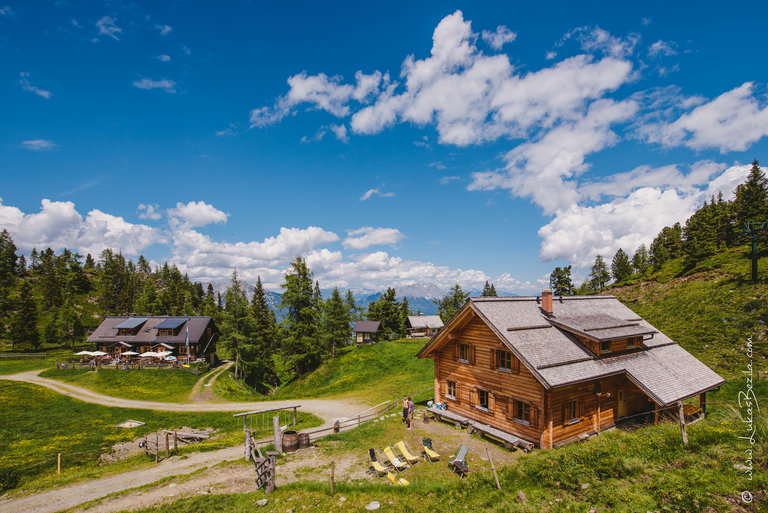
x=621, y=268
x=23, y=326
x=599, y=276
x=751, y=201
x=301, y=345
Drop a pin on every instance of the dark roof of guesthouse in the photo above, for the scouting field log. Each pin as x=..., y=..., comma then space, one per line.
x=548, y=347
x=366, y=326
x=147, y=334
x=425, y=321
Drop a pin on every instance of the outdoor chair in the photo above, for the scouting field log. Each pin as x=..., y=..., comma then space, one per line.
x=376, y=467
x=396, y=462
x=459, y=462
x=428, y=452
x=406, y=453
x=398, y=481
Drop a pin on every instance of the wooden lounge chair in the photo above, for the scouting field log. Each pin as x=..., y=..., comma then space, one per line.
x=428, y=452
x=396, y=462
x=376, y=467
x=406, y=453
x=459, y=462
x=397, y=480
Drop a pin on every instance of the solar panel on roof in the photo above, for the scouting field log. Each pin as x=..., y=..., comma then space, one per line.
x=172, y=323
x=133, y=322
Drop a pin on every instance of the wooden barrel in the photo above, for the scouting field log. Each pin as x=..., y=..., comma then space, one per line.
x=290, y=441
x=303, y=440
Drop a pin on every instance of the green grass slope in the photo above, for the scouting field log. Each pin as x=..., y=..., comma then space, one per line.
x=162, y=385
x=710, y=310
x=372, y=373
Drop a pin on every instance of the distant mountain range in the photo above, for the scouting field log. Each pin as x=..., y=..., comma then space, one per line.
x=421, y=296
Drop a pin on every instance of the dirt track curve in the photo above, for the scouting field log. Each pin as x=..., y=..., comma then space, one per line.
x=51, y=501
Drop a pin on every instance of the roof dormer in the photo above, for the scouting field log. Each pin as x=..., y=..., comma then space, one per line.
x=605, y=335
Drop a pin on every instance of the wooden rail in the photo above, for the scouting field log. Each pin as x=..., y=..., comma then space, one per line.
x=13, y=356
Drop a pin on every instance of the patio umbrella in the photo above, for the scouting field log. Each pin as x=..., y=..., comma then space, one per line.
x=84, y=353
x=149, y=353
x=170, y=358
x=129, y=353
x=99, y=353
x=163, y=353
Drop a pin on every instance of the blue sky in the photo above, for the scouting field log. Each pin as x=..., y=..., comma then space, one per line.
x=424, y=143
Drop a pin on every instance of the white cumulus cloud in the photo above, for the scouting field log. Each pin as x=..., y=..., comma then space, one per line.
x=149, y=212
x=499, y=38
x=367, y=236
x=195, y=214
x=169, y=86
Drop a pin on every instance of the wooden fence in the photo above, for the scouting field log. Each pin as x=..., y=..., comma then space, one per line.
x=21, y=356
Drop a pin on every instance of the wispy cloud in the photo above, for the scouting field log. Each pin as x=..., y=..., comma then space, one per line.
x=27, y=86
x=169, y=86
x=150, y=212
x=38, y=144
x=164, y=29
x=163, y=58
x=375, y=192
x=107, y=27
x=499, y=38
x=232, y=129
x=81, y=187
x=448, y=179
x=6, y=10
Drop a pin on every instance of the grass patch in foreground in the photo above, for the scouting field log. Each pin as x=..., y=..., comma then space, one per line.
x=38, y=423
x=16, y=365
x=162, y=385
x=376, y=372
x=227, y=387
x=644, y=470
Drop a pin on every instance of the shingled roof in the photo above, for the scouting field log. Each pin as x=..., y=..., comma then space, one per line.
x=548, y=347
x=366, y=327
x=147, y=334
x=425, y=321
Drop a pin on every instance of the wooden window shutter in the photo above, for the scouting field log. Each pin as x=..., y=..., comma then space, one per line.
x=565, y=420
x=443, y=388
x=458, y=392
x=581, y=408
x=472, y=396
x=534, y=416
x=515, y=364
x=491, y=401
x=472, y=354
x=493, y=359
x=456, y=351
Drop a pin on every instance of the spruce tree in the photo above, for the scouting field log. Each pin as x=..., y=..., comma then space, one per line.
x=236, y=323
x=257, y=352
x=751, y=201
x=386, y=310
x=640, y=259
x=451, y=303
x=492, y=292
x=23, y=326
x=405, y=311
x=336, y=322
x=560, y=281
x=352, y=307
x=8, y=261
x=488, y=290
x=301, y=346
x=599, y=276
x=621, y=268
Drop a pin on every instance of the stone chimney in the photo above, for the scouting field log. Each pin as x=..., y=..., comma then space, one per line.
x=546, y=301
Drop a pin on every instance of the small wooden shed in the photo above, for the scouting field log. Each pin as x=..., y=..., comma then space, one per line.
x=366, y=332
x=423, y=325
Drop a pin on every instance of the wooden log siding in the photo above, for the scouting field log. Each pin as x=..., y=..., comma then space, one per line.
x=480, y=373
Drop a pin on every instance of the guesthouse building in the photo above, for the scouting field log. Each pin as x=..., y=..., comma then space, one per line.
x=182, y=336
x=542, y=371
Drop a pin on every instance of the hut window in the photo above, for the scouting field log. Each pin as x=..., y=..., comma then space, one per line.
x=451, y=390
x=605, y=347
x=164, y=333
x=504, y=360
x=522, y=412
x=571, y=413
x=464, y=352
x=630, y=343
x=483, y=399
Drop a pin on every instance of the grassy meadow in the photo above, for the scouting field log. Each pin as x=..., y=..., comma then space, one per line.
x=162, y=385
x=38, y=423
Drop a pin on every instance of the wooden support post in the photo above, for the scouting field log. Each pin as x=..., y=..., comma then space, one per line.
x=681, y=415
x=655, y=413
x=294, y=416
x=175, y=442
x=58, y=464
x=703, y=403
x=277, y=433
x=437, y=383
x=271, y=477
x=333, y=471
x=167, y=446
x=157, y=448
x=245, y=422
x=495, y=476
x=247, y=446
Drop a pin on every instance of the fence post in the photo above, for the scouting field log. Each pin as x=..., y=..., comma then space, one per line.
x=58, y=464
x=294, y=416
x=167, y=448
x=333, y=470
x=157, y=448
x=681, y=415
x=271, y=476
x=175, y=442
x=277, y=433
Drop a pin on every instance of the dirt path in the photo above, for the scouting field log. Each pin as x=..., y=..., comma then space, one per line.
x=202, y=391
x=50, y=501
x=327, y=409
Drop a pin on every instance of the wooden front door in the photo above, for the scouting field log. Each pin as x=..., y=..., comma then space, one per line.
x=621, y=405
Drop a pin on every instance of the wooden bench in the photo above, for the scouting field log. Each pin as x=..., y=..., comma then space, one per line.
x=449, y=415
x=507, y=438
x=691, y=409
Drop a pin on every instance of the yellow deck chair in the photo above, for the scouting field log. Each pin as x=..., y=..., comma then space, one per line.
x=396, y=480
x=431, y=455
x=394, y=460
x=376, y=466
x=406, y=453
